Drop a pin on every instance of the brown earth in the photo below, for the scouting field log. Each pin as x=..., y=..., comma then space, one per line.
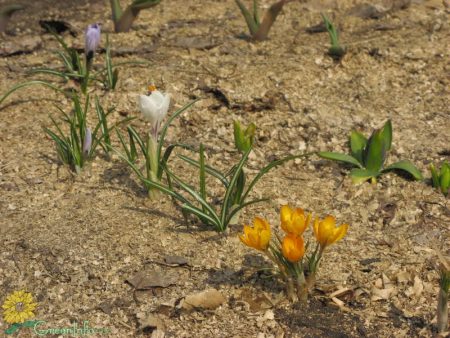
x=74, y=241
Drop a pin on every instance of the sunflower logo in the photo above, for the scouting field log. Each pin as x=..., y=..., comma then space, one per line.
x=18, y=308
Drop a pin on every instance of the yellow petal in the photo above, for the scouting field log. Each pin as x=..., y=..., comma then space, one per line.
x=285, y=213
x=339, y=233
x=259, y=224
x=326, y=230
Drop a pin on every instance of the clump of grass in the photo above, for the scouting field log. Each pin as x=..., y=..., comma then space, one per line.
x=77, y=145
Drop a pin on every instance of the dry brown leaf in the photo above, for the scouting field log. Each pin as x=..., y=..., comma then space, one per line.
x=204, y=300
x=144, y=280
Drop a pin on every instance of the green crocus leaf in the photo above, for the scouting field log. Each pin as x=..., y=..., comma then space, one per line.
x=386, y=135
x=340, y=157
x=445, y=181
x=406, y=166
x=434, y=176
x=375, y=152
x=361, y=175
x=358, y=143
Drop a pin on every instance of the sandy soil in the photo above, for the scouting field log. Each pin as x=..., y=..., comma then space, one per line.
x=74, y=241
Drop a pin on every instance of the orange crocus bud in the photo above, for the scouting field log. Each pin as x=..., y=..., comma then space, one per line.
x=293, y=247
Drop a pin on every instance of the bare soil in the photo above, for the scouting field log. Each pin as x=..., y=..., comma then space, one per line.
x=74, y=241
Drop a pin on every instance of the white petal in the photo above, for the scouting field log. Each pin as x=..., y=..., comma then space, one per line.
x=157, y=97
x=165, y=105
x=148, y=108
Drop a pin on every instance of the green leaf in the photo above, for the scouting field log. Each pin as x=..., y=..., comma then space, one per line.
x=406, y=166
x=231, y=187
x=30, y=83
x=358, y=143
x=445, y=181
x=202, y=178
x=339, y=157
x=198, y=197
x=434, y=176
x=362, y=175
x=249, y=18
x=386, y=135
x=167, y=124
x=375, y=152
x=210, y=170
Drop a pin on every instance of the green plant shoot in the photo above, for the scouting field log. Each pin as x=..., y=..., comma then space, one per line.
x=441, y=179
x=369, y=156
x=336, y=51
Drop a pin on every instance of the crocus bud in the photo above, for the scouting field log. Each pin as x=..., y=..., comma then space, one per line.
x=87, y=142
x=154, y=107
x=243, y=139
x=92, y=40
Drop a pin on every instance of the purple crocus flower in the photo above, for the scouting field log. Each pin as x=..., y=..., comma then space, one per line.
x=92, y=39
x=87, y=142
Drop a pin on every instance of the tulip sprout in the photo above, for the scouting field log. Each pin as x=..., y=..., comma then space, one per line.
x=260, y=30
x=369, y=156
x=441, y=179
x=336, y=51
x=124, y=20
x=297, y=269
x=80, y=144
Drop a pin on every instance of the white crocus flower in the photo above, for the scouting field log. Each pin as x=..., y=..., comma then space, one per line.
x=154, y=107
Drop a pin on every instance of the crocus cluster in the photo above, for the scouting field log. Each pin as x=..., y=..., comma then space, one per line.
x=297, y=269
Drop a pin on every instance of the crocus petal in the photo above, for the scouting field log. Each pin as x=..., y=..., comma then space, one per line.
x=339, y=233
x=87, y=142
x=326, y=229
x=293, y=247
x=165, y=105
x=285, y=213
x=148, y=109
x=92, y=38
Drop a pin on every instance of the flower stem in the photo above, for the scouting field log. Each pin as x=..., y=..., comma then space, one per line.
x=152, y=164
x=442, y=311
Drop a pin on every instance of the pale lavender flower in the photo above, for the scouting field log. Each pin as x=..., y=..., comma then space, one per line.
x=92, y=39
x=87, y=142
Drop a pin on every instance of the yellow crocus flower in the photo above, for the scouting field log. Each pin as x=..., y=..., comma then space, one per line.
x=294, y=220
x=326, y=231
x=293, y=247
x=257, y=237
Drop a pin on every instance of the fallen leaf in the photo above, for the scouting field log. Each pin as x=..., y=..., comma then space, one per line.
x=204, y=300
x=145, y=280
